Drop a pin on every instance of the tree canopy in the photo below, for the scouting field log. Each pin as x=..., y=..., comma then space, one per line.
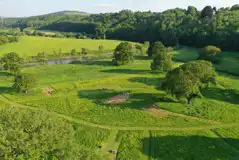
x=156, y=48
x=11, y=62
x=162, y=61
x=211, y=26
x=187, y=80
x=35, y=135
x=123, y=53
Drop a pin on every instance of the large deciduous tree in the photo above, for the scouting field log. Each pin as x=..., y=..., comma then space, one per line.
x=123, y=54
x=11, y=62
x=187, y=80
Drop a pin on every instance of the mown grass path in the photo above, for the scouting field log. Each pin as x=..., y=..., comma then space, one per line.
x=89, y=124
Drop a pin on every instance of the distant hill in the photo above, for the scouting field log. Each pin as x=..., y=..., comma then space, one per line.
x=68, y=13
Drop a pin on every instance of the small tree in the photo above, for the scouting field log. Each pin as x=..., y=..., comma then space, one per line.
x=210, y=53
x=207, y=12
x=11, y=62
x=123, y=54
x=41, y=58
x=187, y=80
x=155, y=48
x=141, y=49
x=73, y=52
x=101, y=48
x=23, y=83
x=60, y=54
x=162, y=62
x=85, y=51
x=146, y=44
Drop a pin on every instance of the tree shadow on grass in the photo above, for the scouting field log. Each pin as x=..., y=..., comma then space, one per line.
x=226, y=95
x=185, y=55
x=190, y=148
x=94, y=63
x=156, y=82
x=4, y=74
x=135, y=100
x=5, y=90
x=128, y=71
x=141, y=58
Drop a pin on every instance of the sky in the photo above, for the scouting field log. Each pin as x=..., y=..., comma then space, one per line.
x=23, y=8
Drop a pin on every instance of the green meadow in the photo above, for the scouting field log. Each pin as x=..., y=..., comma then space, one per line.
x=31, y=46
x=207, y=129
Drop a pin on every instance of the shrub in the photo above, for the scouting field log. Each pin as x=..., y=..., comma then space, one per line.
x=210, y=53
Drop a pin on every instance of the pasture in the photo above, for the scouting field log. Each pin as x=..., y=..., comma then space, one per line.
x=31, y=46
x=149, y=124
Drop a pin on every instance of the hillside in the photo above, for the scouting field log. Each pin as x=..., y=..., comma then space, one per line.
x=149, y=124
x=120, y=86
x=69, y=13
x=189, y=27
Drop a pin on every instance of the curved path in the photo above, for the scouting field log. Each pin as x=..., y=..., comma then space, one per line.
x=90, y=124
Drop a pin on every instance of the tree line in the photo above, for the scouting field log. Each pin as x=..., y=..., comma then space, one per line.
x=211, y=26
x=8, y=39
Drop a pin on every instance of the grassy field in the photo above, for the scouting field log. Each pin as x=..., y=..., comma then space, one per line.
x=206, y=130
x=31, y=46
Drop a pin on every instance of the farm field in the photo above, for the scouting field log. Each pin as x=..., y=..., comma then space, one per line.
x=81, y=92
x=31, y=46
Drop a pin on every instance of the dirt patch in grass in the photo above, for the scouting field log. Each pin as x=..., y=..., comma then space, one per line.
x=47, y=91
x=156, y=111
x=118, y=99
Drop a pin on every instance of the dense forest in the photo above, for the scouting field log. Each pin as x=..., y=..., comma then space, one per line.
x=211, y=26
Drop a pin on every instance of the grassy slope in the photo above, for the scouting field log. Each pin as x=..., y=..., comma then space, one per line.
x=79, y=93
x=30, y=46
x=229, y=60
x=81, y=89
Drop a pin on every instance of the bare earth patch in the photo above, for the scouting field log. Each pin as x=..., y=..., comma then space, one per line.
x=118, y=99
x=156, y=111
x=48, y=91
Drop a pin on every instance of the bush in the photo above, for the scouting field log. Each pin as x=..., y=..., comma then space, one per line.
x=210, y=53
x=170, y=49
